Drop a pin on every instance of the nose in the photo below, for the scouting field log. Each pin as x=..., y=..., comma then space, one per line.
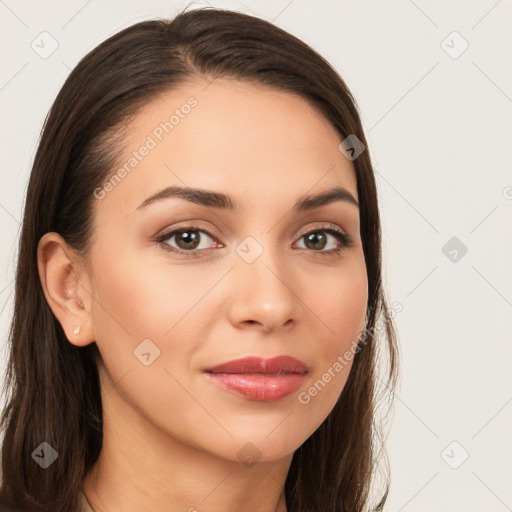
x=263, y=294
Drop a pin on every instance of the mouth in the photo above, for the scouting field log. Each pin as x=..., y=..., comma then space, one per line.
x=258, y=379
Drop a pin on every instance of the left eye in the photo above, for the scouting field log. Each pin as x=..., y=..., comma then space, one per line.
x=320, y=239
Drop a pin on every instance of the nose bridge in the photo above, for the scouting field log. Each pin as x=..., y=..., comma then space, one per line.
x=262, y=284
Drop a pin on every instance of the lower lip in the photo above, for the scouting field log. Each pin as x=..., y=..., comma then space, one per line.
x=262, y=388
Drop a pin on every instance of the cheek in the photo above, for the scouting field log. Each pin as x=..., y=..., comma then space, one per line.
x=136, y=317
x=139, y=300
x=340, y=303
x=136, y=301
x=339, y=300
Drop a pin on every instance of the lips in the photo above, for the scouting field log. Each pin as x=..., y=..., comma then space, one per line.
x=250, y=365
x=260, y=379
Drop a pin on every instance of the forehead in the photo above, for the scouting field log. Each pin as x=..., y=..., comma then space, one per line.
x=255, y=142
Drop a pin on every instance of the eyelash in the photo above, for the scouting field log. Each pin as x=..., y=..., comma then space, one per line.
x=344, y=239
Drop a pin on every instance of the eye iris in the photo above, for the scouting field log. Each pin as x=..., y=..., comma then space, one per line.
x=312, y=238
x=189, y=239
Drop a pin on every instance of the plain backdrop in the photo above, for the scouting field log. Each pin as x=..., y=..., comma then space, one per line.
x=434, y=86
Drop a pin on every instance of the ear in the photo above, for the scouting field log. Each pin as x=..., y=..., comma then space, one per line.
x=66, y=287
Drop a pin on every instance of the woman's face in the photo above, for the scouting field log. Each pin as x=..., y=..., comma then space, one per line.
x=265, y=279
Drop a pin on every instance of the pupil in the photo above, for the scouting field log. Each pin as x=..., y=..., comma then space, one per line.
x=314, y=237
x=193, y=239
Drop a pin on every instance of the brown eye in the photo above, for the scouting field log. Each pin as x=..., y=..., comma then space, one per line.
x=318, y=240
x=315, y=240
x=187, y=240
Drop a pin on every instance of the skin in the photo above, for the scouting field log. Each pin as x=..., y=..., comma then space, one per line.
x=171, y=437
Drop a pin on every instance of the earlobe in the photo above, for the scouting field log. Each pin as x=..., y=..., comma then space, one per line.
x=66, y=287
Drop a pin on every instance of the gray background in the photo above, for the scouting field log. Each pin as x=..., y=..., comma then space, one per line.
x=438, y=119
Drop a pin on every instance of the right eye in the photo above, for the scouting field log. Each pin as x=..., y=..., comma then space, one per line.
x=188, y=240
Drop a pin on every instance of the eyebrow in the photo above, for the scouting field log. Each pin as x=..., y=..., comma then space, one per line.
x=226, y=202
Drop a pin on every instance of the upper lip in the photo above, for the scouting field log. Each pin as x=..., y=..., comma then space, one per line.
x=248, y=365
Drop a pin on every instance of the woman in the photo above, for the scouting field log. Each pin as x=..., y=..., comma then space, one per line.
x=198, y=300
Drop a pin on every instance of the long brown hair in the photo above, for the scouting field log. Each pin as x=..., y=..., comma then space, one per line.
x=52, y=387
